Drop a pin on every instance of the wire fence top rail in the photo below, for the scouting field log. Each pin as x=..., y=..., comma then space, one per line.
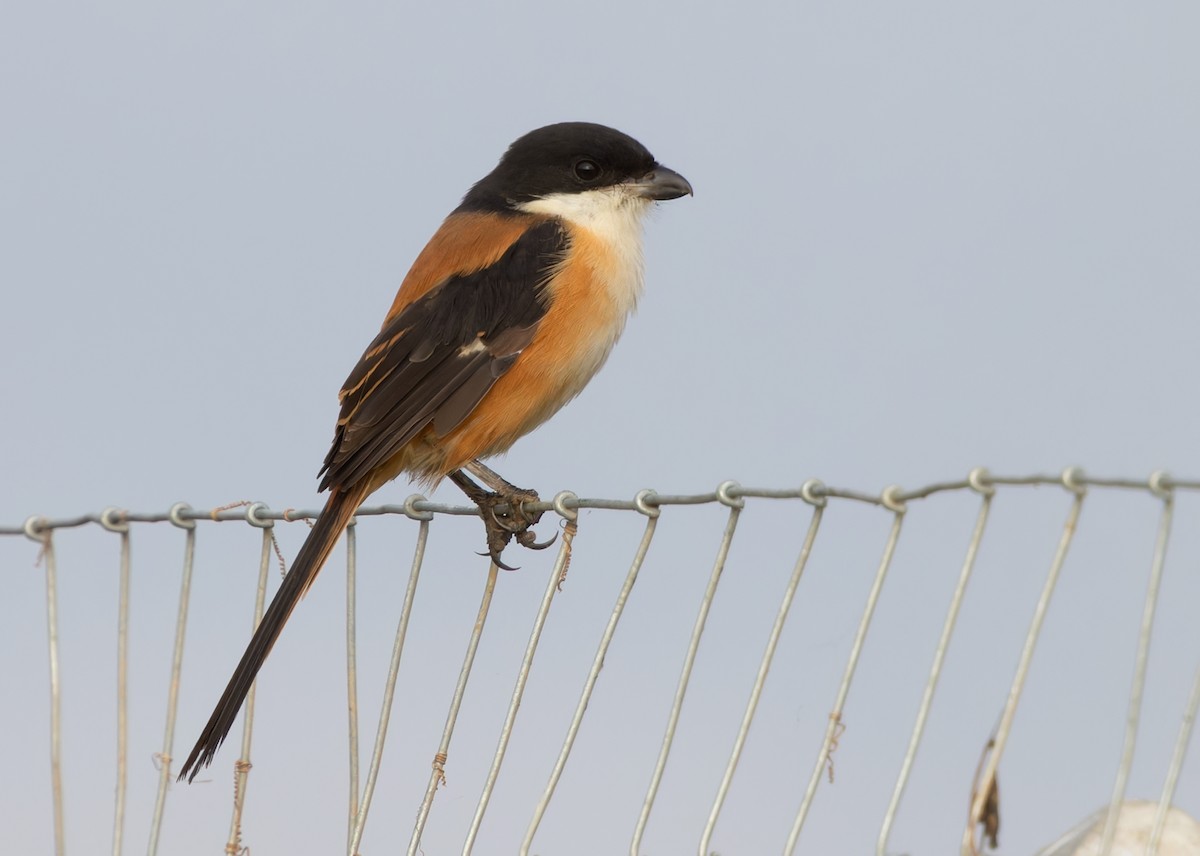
x=416, y=506
x=980, y=813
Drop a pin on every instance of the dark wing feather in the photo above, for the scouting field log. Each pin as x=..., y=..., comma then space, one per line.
x=435, y=360
x=503, y=350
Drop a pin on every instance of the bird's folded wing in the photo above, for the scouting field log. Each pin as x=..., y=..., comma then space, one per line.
x=436, y=359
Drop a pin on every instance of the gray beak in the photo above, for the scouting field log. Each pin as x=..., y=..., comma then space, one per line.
x=662, y=184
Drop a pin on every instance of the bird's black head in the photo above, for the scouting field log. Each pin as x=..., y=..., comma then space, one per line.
x=572, y=157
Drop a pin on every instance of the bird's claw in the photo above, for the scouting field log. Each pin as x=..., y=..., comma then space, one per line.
x=515, y=522
x=513, y=526
x=495, y=557
x=525, y=539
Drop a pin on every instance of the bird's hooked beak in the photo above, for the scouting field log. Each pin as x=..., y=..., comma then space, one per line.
x=660, y=184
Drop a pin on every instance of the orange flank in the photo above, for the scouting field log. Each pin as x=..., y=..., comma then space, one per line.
x=572, y=342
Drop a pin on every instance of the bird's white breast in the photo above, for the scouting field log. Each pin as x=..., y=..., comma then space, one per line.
x=606, y=226
x=613, y=216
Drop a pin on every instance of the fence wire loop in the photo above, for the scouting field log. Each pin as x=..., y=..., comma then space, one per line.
x=114, y=519
x=644, y=502
x=253, y=511
x=176, y=518
x=1160, y=484
x=890, y=499
x=980, y=481
x=729, y=494
x=566, y=512
x=411, y=511
x=36, y=528
x=1073, y=480
x=813, y=492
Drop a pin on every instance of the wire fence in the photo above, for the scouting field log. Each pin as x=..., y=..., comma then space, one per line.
x=978, y=818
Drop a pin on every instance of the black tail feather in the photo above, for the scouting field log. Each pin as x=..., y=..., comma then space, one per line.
x=316, y=549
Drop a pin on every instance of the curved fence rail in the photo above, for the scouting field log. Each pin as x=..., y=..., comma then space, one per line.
x=978, y=816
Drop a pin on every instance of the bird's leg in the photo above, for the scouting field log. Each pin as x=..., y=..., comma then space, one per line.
x=497, y=536
x=516, y=496
x=501, y=527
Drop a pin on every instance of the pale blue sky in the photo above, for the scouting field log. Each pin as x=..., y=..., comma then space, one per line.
x=925, y=237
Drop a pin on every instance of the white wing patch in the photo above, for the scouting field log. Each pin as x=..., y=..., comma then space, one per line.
x=474, y=348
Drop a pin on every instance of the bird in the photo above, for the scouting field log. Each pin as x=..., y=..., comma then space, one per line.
x=509, y=310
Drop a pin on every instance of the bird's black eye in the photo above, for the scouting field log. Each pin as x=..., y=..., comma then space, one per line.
x=587, y=170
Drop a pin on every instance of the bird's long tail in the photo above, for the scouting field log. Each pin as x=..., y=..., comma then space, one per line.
x=316, y=549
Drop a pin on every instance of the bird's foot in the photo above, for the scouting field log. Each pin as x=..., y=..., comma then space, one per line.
x=505, y=518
